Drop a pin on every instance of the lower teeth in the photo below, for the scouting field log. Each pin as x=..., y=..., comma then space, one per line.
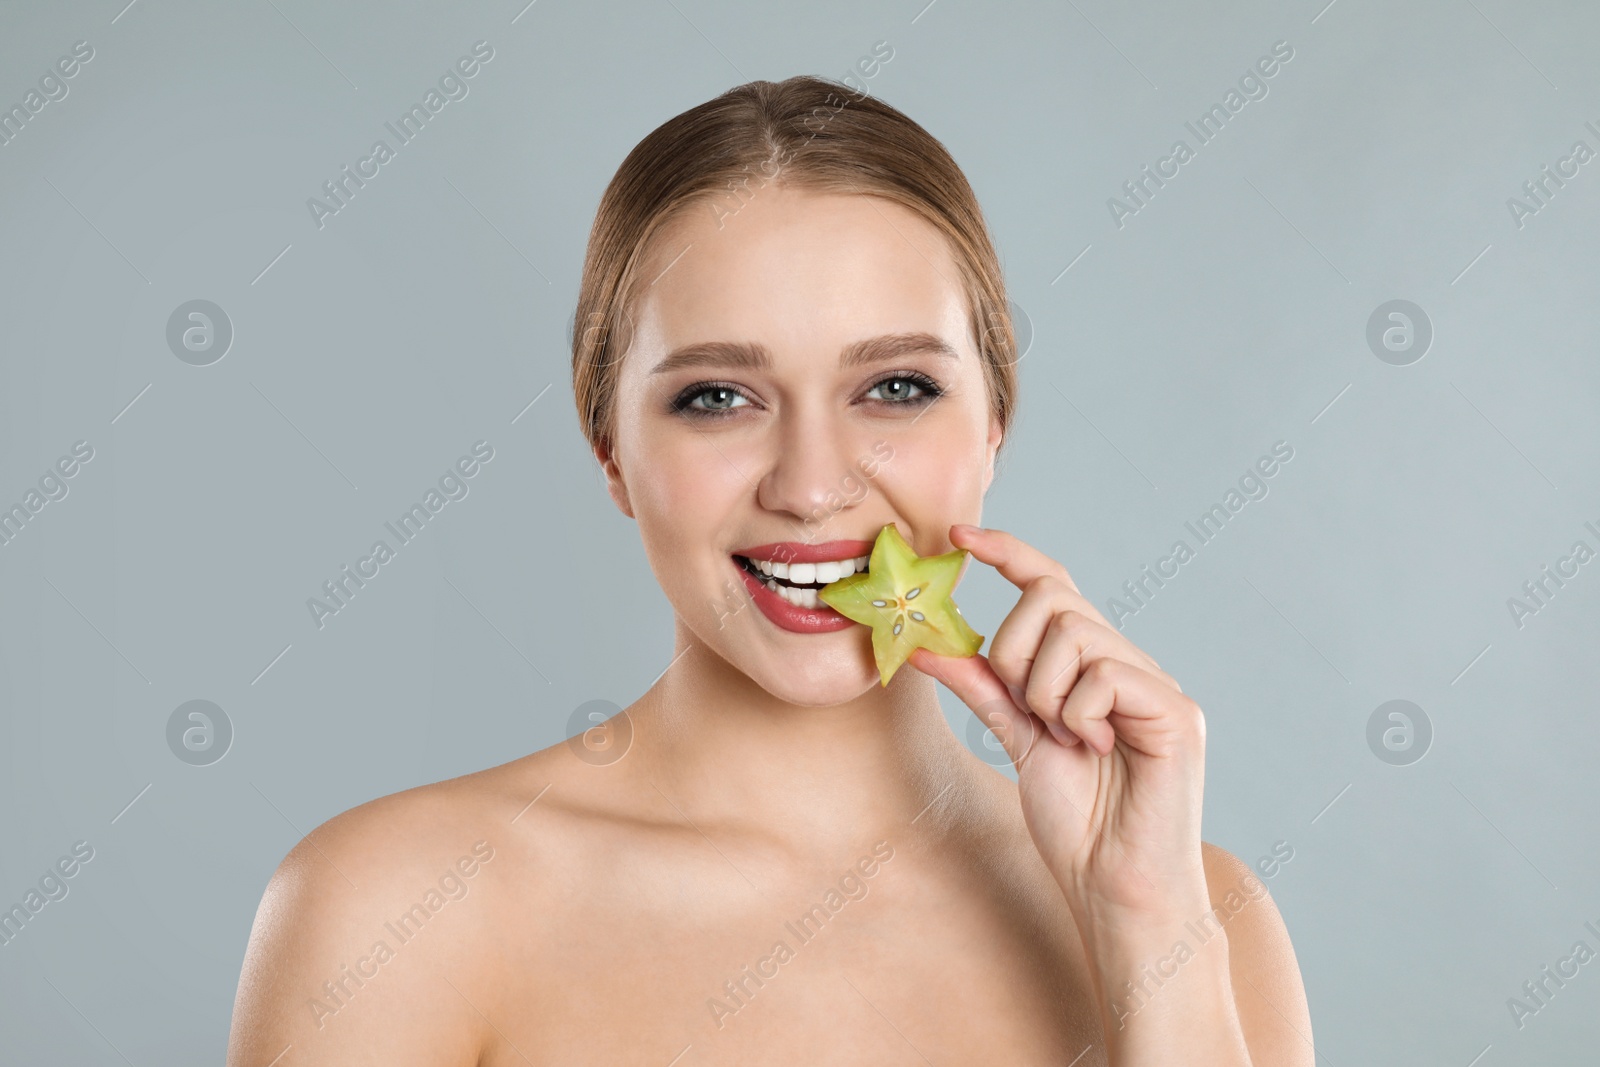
x=799, y=597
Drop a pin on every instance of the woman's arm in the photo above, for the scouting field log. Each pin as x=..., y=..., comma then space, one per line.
x=1265, y=975
x=1110, y=758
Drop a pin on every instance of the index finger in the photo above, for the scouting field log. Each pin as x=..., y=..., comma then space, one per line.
x=1016, y=560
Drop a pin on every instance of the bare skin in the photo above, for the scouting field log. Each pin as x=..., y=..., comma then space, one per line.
x=625, y=900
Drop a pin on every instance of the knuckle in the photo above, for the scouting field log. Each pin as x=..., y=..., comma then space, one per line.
x=1040, y=697
x=1045, y=585
x=1009, y=665
x=1060, y=625
x=1072, y=627
x=1078, y=624
x=1100, y=669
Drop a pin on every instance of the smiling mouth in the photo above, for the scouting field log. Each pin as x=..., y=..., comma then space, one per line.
x=798, y=582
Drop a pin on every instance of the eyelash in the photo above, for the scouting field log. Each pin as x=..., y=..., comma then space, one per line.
x=682, y=403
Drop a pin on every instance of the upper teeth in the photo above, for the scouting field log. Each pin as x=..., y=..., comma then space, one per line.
x=806, y=573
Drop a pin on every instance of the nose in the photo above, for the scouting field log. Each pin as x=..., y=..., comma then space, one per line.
x=813, y=474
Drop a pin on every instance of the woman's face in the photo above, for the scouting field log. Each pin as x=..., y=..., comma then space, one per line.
x=801, y=372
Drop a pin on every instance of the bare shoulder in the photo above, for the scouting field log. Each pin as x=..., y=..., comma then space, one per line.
x=1267, y=985
x=367, y=944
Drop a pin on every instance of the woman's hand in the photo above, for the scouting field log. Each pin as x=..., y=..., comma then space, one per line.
x=1110, y=753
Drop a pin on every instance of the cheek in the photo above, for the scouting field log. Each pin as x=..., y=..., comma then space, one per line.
x=941, y=471
x=686, y=496
x=933, y=489
x=686, y=478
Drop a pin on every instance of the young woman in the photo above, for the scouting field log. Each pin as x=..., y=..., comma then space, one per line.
x=792, y=331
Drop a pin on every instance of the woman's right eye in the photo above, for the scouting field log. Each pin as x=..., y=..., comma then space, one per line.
x=718, y=398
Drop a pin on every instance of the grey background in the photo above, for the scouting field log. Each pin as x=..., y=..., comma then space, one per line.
x=1228, y=314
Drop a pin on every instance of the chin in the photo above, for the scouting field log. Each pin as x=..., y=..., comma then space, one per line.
x=825, y=686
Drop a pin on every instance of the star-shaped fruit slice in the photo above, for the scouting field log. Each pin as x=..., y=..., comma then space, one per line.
x=905, y=598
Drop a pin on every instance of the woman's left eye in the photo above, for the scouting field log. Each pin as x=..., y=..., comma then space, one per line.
x=898, y=388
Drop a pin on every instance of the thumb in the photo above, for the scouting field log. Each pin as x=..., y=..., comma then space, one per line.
x=973, y=680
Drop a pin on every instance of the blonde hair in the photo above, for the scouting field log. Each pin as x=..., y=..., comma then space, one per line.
x=807, y=132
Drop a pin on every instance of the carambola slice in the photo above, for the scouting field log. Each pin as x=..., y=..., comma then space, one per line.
x=905, y=598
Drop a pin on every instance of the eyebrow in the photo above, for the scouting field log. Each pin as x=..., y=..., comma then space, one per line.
x=747, y=355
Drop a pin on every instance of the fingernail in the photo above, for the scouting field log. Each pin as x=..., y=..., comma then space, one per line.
x=966, y=528
x=1062, y=734
x=1017, y=696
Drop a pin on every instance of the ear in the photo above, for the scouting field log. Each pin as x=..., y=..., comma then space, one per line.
x=995, y=436
x=605, y=454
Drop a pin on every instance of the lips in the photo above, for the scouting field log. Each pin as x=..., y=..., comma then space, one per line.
x=783, y=578
x=803, y=552
x=787, y=607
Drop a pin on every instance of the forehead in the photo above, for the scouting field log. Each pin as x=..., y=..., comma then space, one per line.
x=799, y=270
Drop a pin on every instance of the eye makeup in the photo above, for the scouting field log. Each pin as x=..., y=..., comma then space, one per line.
x=684, y=403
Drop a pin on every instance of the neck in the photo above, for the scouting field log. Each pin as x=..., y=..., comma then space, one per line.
x=727, y=752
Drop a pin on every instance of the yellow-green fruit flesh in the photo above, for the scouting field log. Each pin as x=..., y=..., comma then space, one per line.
x=906, y=599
